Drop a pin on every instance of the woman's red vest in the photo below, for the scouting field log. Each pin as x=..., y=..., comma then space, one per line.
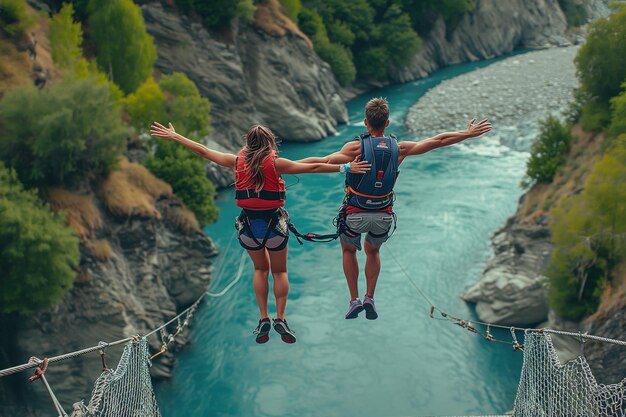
x=273, y=193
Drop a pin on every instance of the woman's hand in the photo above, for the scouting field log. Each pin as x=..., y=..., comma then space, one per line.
x=157, y=129
x=359, y=167
x=476, y=129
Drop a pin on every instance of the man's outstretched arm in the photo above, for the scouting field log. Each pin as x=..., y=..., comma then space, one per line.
x=444, y=139
x=347, y=154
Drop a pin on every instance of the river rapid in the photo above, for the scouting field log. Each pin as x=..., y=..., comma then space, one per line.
x=449, y=202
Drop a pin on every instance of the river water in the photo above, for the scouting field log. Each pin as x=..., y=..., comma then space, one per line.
x=449, y=202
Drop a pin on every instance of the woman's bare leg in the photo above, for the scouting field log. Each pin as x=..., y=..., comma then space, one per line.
x=261, y=262
x=278, y=265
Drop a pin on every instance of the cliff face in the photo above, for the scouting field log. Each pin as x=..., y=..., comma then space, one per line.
x=255, y=77
x=494, y=28
x=137, y=270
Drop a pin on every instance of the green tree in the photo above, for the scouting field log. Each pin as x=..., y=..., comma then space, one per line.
x=588, y=232
x=601, y=67
x=399, y=38
x=548, y=151
x=373, y=63
x=124, y=50
x=65, y=38
x=69, y=132
x=38, y=252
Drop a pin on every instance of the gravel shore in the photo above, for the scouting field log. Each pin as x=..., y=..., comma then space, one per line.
x=514, y=94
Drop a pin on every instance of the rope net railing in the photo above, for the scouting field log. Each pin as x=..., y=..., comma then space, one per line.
x=125, y=391
x=548, y=388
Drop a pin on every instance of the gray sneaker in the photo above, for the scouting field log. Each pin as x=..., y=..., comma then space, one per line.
x=286, y=334
x=355, y=308
x=370, y=308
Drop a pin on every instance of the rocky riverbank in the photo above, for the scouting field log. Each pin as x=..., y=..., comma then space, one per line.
x=514, y=94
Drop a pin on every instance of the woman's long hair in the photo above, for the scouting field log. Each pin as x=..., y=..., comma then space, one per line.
x=260, y=143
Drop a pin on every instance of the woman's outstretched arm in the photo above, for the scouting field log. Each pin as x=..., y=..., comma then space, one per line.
x=221, y=158
x=286, y=166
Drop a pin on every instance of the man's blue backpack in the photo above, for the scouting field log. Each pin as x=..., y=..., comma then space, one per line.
x=374, y=189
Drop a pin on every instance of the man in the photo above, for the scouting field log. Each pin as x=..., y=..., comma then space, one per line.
x=369, y=197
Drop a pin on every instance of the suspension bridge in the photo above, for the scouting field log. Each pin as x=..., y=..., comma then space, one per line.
x=547, y=387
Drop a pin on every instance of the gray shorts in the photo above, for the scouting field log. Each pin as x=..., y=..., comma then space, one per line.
x=376, y=224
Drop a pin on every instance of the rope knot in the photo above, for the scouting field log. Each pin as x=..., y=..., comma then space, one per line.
x=39, y=371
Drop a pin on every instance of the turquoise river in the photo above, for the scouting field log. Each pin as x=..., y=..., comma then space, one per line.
x=449, y=203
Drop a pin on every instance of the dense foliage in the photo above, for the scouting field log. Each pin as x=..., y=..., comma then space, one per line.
x=588, y=231
x=548, y=152
x=38, y=253
x=360, y=38
x=601, y=67
x=69, y=132
x=176, y=99
x=124, y=50
x=217, y=14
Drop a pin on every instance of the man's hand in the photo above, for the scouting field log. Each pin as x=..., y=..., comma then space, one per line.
x=476, y=129
x=359, y=167
x=158, y=130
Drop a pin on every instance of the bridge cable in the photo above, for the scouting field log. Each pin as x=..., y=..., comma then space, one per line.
x=469, y=324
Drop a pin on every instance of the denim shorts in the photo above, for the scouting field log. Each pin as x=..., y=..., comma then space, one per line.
x=256, y=231
x=375, y=223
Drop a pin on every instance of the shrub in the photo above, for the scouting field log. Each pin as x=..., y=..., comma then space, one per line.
x=574, y=12
x=548, y=151
x=588, y=234
x=186, y=173
x=38, y=253
x=217, y=14
x=185, y=107
x=124, y=50
x=292, y=7
x=145, y=105
x=65, y=38
x=340, y=59
x=618, y=114
x=14, y=17
x=71, y=132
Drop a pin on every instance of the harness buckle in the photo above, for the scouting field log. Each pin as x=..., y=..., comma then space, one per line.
x=378, y=184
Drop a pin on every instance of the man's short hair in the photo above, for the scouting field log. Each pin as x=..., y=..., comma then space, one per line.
x=377, y=113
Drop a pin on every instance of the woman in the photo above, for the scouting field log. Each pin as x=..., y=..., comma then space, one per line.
x=263, y=223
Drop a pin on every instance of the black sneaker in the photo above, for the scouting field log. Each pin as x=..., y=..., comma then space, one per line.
x=262, y=331
x=286, y=334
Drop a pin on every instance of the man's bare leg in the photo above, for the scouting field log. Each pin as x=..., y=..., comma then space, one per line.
x=351, y=269
x=372, y=267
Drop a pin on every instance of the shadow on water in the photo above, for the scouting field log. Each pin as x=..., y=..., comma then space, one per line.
x=449, y=203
